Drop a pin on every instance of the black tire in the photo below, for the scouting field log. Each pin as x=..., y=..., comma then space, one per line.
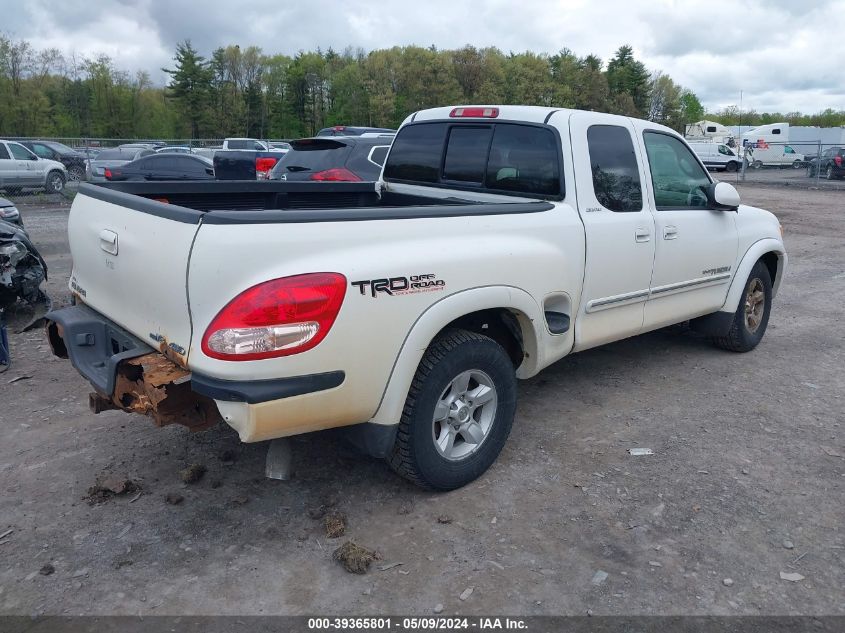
x=415, y=455
x=731, y=166
x=809, y=171
x=796, y=164
x=55, y=182
x=743, y=336
x=829, y=173
x=757, y=164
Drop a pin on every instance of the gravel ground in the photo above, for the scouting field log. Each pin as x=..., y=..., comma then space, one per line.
x=746, y=483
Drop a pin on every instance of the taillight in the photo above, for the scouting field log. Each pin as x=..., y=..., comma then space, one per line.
x=336, y=174
x=107, y=173
x=265, y=163
x=838, y=161
x=276, y=318
x=484, y=113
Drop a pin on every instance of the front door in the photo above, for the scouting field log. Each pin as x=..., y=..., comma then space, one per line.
x=695, y=246
x=619, y=229
x=28, y=169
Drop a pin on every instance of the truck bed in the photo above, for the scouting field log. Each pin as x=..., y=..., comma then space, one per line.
x=250, y=201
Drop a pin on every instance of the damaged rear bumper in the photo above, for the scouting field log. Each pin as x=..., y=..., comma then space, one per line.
x=126, y=373
x=129, y=375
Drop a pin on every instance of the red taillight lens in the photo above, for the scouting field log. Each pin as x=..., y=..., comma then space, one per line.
x=336, y=174
x=107, y=173
x=838, y=161
x=484, y=113
x=276, y=318
x=265, y=163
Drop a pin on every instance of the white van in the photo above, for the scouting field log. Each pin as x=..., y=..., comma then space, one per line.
x=775, y=156
x=717, y=156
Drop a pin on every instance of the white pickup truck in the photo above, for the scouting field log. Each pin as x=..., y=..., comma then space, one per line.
x=497, y=241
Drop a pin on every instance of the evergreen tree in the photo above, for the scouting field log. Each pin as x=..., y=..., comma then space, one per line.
x=190, y=84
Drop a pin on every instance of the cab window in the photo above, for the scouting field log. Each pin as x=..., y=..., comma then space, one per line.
x=613, y=164
x=788, y=150
x=724, y=149
x=20, y=152
x=677, y=177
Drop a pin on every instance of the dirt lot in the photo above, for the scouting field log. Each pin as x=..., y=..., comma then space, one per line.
x=746, y=482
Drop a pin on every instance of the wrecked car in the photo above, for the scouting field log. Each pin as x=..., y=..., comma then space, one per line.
x=22, y=269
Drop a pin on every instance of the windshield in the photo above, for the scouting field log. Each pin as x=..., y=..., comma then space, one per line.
x=60, y=147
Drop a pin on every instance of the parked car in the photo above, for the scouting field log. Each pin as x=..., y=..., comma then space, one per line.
x=717, y=156
x=283, y=146
x=73, y=161
x=10, y=213
x=22, y=269
x=19, y=167
x=831, y=164
x=498, y=240
x=174, y=149
x=163, y=166
x=250, y=144
x=245, y=164
x=352, y=158
x=114, y=157
x=348, y=130
x=88, y=153
x=768, y=155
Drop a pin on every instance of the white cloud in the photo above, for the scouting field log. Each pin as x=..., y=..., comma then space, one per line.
x=780, y=53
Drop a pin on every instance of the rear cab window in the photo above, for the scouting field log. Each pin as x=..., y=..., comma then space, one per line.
x=499, y=157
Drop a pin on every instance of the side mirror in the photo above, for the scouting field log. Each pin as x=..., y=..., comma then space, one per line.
x=722, y=196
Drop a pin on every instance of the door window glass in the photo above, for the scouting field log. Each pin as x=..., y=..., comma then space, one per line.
x=676, y=175
x=613, y=163
x=20, y=152
x=4, y=153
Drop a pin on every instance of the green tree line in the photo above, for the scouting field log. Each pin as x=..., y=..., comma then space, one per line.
x=238, y=91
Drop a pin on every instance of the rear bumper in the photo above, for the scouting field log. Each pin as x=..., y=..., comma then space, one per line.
x=130, y=375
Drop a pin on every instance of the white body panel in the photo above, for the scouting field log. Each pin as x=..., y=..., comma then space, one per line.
x=614, y=274
x=26, y=169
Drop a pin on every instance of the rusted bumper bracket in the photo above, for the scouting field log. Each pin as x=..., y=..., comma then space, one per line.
x=126, y=373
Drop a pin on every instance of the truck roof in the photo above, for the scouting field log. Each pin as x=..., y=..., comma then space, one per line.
x=531, y=114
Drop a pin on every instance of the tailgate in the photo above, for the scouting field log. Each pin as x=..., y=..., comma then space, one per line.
x=130, y=262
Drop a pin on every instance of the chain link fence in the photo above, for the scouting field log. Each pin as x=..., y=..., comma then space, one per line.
x=802, y=164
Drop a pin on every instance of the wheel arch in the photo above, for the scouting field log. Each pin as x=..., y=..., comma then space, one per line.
x=772, y=253
x=508, y=315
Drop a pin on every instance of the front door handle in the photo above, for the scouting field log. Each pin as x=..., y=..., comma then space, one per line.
x=642, y=235
x=670, y=233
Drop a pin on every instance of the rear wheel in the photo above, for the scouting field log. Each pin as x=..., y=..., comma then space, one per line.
x=752, y=315
x=458, y=413
x=829, y=173
x=55, y=182
x=810, y=171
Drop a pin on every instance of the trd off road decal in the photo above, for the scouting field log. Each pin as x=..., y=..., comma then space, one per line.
x=395, y=286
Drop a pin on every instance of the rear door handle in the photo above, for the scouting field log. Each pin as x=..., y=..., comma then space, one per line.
x=670, y=233
x=642, y=235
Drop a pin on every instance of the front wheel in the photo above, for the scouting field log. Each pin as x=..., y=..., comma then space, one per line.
x=458, y=413
x=76, y=174
x=829, y=173
x=796, y=164
x=731, y=166
x=55, y=182
x=757, y=164
x=752, y=315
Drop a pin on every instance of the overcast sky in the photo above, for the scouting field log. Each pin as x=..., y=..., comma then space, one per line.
x=784, y=55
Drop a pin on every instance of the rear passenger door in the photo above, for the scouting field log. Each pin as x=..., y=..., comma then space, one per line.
x=695, y=246
x=619, y=228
